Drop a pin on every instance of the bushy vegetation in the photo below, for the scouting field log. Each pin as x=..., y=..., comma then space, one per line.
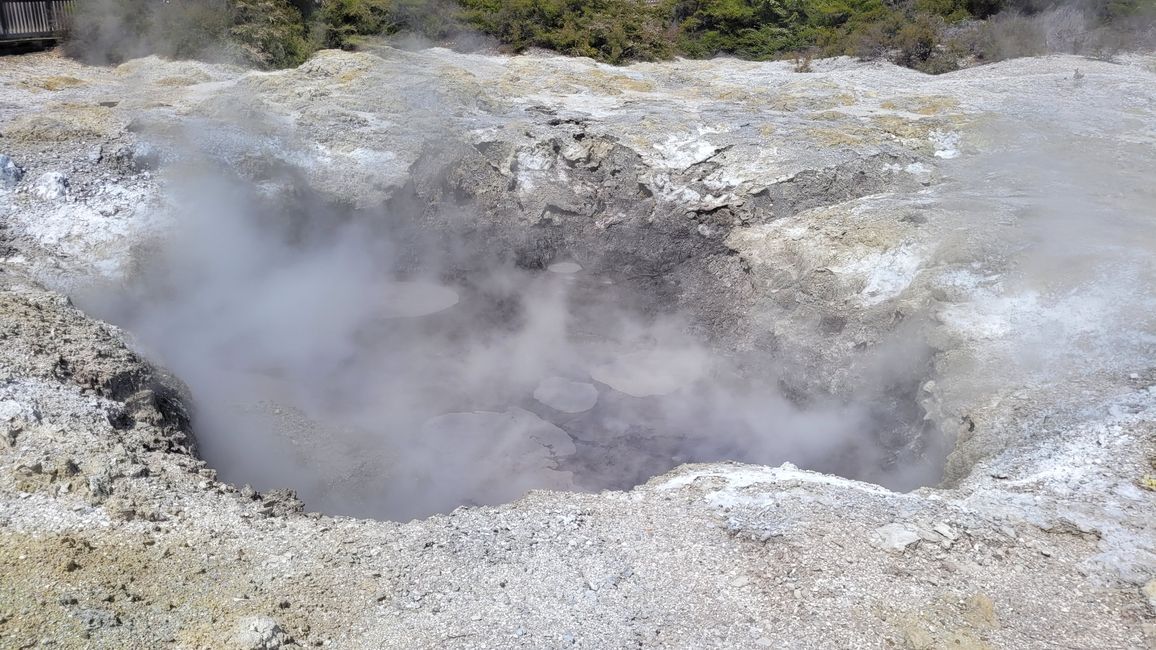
x=609, y=30
x=270, y=33
x=930, y=35
x=342, y=21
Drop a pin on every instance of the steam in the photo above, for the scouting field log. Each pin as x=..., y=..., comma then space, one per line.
x=1082, y=27
x=112, y=31
x=383, y=365
x=1071, y=292
x=383, y=371
x=262, y=33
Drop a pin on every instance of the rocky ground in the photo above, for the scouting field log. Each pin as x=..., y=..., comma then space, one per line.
x=1000, y=217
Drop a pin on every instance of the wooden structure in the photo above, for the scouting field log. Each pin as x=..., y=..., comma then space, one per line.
x=23, y=21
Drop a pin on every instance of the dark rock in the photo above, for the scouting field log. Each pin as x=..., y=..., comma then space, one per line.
x=10, y=172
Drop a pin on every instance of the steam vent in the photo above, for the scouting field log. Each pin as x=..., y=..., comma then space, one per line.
x=413, y=348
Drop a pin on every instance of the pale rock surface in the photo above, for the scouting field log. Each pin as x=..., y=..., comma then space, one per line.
x=837, y=211
x=50, y=186
x=895, y=537
x=261, y=633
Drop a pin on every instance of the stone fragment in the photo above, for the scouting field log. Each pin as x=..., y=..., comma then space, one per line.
x=260, y=633
x=928, y=535
x=894, y=538
x=946, y=531
x=10, y=172
x=50, y=186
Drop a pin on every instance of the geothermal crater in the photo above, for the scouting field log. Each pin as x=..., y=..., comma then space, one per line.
x=395, y=362
x=557, y=292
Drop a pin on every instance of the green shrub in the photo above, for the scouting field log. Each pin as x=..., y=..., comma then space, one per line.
x=751, y=29
x=834, y=13
x=985, y=8
x=873, y=39
x=916, y=42
x=269, y=33
x=950, y=10
x=608, y=30
x=342, y=22
x=432, y=19
x=277, y=33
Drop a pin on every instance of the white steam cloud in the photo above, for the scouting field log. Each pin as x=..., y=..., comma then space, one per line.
x=323, y=358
